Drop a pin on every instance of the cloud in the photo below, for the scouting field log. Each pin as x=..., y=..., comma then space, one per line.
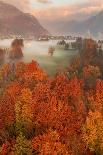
x=44, y=1
x=68, y=12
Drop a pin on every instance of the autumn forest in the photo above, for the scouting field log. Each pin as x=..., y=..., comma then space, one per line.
x=60, y=115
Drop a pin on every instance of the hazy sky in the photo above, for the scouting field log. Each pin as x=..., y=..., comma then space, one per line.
x=59, y=9
x=63, y=9
x=48, y=3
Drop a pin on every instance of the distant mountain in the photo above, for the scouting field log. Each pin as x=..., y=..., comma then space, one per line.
x=15, y=22
x=94, y=25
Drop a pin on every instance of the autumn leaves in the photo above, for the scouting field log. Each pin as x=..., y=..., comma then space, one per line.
x=40, y=115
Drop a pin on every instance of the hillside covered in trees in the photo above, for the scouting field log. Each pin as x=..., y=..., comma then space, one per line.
x=62, y=115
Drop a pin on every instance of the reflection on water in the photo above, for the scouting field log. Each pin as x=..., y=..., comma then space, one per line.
x=38, y=51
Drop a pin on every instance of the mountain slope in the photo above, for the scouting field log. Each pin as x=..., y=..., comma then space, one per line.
x=15, y=22
x=94, y=24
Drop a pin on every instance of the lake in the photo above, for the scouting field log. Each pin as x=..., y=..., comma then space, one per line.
x=38, y=51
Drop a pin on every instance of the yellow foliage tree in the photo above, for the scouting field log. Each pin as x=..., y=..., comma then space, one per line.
x=93, y=132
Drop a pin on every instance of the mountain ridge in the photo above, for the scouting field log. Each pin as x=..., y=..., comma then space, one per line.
x=15, y=22
x=94, y=24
